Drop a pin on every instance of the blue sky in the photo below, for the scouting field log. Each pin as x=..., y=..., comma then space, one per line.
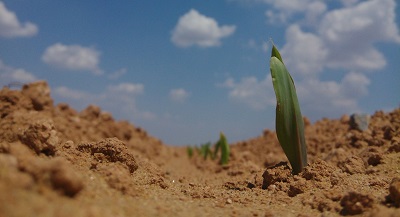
x=186, y=70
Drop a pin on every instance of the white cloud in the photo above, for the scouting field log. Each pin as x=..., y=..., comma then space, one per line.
x=11, y=27
x=73, y=57
x=348, y=3
x=117, y=74
x=10, y=74
x=266, y=47
x=313, y=12
x=257, y=45
x=343, y=39
x=194, y=28
x=251, y=92
x=119, y=99
x=283, y=10
x=350, y=34
x=126, y=88
x=354, y=85
x=289, y=6
x=320, y=98
x=303, y=53
x=71, y=94
x=317, y=98
x=178, y=95
x=252, y=44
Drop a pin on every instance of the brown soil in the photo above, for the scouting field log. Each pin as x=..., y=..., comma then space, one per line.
x=55, y=161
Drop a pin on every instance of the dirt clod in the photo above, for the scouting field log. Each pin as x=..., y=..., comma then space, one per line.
x=278, y=173
x=394, y=191
x=355, y=203
x=111, y=150
x=65, y=179
x=352, y=165
x=41, y=136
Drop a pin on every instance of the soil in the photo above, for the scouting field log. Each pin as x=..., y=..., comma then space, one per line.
x=55, y=161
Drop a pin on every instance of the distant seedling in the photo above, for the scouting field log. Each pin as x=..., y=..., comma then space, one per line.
x=205, y=150
x=224, y=146
x=289, y=121
x=189, y=151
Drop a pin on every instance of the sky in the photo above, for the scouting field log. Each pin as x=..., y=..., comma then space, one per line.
x=186, y=70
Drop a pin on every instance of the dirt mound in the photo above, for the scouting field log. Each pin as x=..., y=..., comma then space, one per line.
x=55, y=161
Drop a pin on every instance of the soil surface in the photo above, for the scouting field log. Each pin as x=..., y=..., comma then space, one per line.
x=55, y=161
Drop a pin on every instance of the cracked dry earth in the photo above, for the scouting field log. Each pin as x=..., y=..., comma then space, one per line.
x=55, y=161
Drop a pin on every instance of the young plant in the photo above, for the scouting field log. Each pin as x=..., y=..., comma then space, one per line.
x=189, y=151
x=205, y=150
x=224, y=146
x=289, y=121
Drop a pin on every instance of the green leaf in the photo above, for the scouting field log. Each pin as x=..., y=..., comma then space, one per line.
x=189, y=151
x=275, y=53
x=224, y=146
x=289, y=121
x=205, y=150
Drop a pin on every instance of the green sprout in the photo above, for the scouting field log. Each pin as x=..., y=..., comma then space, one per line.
x=189, y=151
x=224, y=146
x=289, y=122
x=205, y=150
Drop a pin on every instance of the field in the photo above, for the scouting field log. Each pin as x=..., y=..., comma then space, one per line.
x=56, y=161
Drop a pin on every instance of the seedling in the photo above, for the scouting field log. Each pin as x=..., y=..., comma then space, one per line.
x=205, y=150
x=189, y=150
x=224, y=146
x=289, y=121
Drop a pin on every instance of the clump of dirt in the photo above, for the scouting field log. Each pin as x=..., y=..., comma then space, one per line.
x=56, y=161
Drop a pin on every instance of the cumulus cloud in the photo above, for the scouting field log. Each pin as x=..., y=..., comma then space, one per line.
x=9, y=74
x=119, y=99
x=334, y=98
x=282, y=11
x=178, y=95
x=304, y=52
x=348, y=3
x=70, y=94
x=251, y=92
x=73, y=57
x=117, y=74
x=320, y=38
x=194, y=28
x=11, y=27
x=343, y=38
x=354, y=30
x=316, y=97
x=126, y=88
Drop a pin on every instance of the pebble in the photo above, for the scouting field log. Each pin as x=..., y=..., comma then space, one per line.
x=359, y=121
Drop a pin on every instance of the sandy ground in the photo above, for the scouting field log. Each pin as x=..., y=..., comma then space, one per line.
x=55, y=161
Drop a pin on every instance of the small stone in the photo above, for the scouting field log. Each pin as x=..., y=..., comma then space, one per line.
x=272, y=187
x=229, y=201
x=359, y=121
